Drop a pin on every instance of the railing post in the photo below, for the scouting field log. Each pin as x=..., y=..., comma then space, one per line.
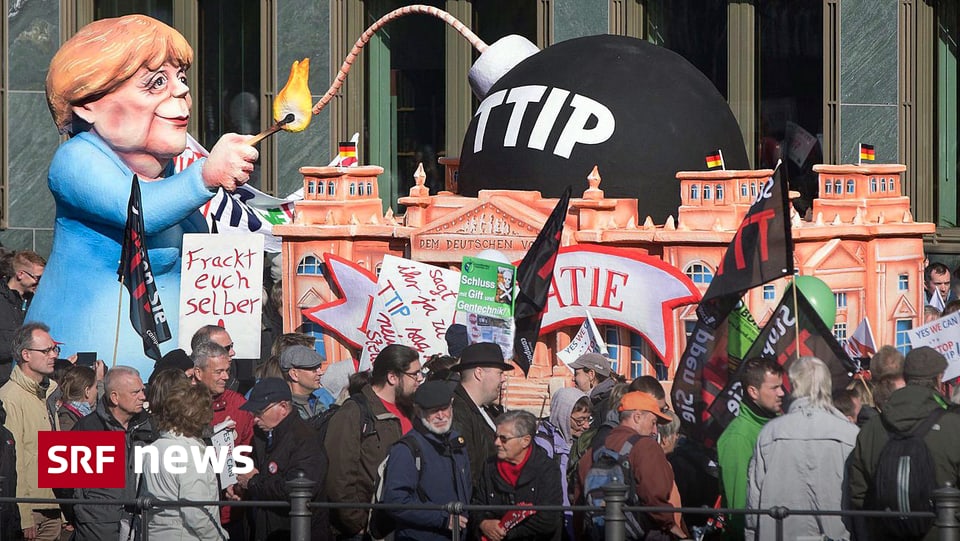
x=615, y=523
x=778, y=513
x=455, y=509
x=301, y=492
x=946, y=501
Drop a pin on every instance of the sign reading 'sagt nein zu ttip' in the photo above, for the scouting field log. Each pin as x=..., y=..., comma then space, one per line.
x=486, y=288
x=99, y=460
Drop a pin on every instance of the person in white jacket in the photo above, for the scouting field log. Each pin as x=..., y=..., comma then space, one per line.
x=185, y=413
x=799, y=460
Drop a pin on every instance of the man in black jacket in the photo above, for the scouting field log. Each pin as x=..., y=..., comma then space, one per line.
x=283, y=446
x=120, y=409
x=16, y=291
x=483, y=373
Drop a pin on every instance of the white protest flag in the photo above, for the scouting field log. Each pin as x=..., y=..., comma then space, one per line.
x=936, y=300
x=861, y=344
x=942, y=335
x=587, y=340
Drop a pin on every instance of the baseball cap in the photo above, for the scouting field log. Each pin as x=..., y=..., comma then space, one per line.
x=593, y=361
x=641, y=401
x=266, y=392
x=300, y=357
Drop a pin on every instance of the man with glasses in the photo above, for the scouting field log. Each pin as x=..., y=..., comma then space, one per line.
x=283, y=446
x=30, y=405
x=360, y=434
x=482, y=375
x=15, y=295
x=211, y=368
x=302, y=368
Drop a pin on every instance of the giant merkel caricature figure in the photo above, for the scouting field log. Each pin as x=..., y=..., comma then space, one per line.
x=118, y=88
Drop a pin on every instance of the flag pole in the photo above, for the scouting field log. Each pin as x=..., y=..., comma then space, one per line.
x=859, y=154
x=796, y=317
x=116, y=335
x=723, y=165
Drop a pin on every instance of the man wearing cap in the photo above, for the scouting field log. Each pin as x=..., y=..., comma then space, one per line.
x=639, y=416
x=906, y=408
x=482, y=375
x=301, y=368
x=283, y=446
x=592, y=375
x=429, y=465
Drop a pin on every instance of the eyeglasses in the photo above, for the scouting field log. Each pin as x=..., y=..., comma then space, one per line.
x=416, y=375
x=264, y=410
x=504, y=439
x=581, y=421
x=47, y=351
x=34, y=276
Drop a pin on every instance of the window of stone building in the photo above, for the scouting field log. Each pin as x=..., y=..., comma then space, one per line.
x=699, y=273
x=902, y=339
x=311, y=265
x=840, y=332
x=903, y=282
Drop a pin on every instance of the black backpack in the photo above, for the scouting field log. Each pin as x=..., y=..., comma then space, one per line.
x=321, y=422
x=905, y=479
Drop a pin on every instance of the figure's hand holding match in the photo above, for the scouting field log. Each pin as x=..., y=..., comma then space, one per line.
x=230, y=163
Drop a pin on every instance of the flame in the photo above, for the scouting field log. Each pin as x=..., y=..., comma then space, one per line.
x=295, y=98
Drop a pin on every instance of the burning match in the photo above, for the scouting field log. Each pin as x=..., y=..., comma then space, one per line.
x=291, y=110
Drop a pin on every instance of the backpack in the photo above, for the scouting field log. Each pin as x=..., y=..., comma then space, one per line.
x=905, y=479
x=380, y=524
x=609, y=466
x=321, y=422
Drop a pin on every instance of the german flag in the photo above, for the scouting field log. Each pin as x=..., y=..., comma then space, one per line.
x=715, y=160
x=867, y=153
x=348, y=154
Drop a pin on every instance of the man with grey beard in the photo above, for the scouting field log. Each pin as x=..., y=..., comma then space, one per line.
x=428, y=465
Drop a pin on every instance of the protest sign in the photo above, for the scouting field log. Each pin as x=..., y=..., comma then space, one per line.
x=942, y=335
x=221, y=283
x=223, y=438
x=486, y=288
x=413, y=306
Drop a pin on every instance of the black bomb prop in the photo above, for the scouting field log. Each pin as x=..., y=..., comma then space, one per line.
x=638, y=111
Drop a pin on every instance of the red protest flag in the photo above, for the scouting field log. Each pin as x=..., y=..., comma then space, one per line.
x=146, y=312
x=534, y=276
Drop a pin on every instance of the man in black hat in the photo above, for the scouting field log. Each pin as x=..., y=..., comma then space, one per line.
x=302, y=368
x=428, y=465
x=917, y=402
x=482, y=375
x=283, y=446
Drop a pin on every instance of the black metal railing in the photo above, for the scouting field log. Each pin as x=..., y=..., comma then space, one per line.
x=946, y=502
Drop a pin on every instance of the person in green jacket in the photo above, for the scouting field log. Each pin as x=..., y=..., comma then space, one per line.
x=762, y=381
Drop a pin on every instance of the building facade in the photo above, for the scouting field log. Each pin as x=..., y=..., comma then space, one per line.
x=860, y=238
x=881, y=72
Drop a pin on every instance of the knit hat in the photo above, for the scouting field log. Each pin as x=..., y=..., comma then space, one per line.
x=923, y=362
x=457, y=340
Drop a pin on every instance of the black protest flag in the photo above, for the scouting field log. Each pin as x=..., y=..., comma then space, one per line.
x=711, y=356
x=534, y=275
x=146, y=312
x=761, y=251
x=793, y=331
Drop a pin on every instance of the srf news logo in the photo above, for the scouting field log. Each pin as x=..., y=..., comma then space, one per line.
x=99, y=459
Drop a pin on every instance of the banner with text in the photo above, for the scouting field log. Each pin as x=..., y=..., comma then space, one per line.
x=414, y=305
x=942, y=335
x=221, y=283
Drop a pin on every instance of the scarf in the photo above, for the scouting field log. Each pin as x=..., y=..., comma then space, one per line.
x=80, y=408
x=511, y=472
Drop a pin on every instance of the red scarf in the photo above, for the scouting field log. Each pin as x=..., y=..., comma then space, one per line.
x=510, y=472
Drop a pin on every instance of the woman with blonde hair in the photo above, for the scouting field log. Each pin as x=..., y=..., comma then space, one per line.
x=118, y=88
x=185, y=413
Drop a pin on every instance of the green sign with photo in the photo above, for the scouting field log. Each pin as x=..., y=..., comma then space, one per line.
x=486, y=288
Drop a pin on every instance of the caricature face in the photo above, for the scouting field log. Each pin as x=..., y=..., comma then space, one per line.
x=145, y=116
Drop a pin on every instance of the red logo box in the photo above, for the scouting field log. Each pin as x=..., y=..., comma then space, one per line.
x=81, y=460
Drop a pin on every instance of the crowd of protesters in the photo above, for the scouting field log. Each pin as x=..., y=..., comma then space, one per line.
x=413, y=431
